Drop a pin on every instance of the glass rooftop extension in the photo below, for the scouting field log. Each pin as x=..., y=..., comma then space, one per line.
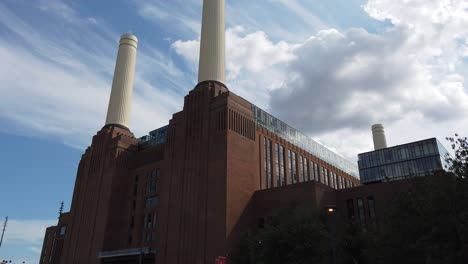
x=264, y=119
x=295, y=137
x=155, y=137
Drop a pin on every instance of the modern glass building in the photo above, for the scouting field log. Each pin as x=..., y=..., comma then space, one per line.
x=410, y=160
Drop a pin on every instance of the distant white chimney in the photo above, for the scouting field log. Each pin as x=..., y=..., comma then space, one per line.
x=380, y=142
x=120, y=102
x=212, y=43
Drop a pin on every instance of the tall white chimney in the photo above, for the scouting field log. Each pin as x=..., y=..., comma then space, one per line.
x=120, y=102
x=378, y=133
x=212, y=43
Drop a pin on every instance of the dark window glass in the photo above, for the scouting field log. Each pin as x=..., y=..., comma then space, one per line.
x=290, y=167
x=350, y=207
x=270, y=178
x=63, y=229
x=301, y=168
x=151, y=202
x=283, y=166
x=265, y=161
x=294, y=167
x=277, y=165
x=362, y=215
x=371, y=205
x=327, y=179
x=261, y=222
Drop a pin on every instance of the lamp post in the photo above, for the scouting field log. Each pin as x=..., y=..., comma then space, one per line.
x=331, y=220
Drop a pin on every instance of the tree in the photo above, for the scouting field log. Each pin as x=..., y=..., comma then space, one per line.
x=427, y=225
x=296, y=236
x=459, y=163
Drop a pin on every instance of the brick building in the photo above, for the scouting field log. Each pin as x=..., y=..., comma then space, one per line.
x=187, y=191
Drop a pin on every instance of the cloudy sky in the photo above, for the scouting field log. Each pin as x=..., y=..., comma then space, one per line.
x=329, y=68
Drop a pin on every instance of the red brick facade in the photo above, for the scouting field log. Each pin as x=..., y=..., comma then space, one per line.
x=190, y=199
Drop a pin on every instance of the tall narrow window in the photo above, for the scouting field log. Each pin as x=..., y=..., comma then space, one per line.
x=294, y=166
x=270, y=178
x=312, y=171
x=362, y=216
x=371, y=206
x=350, y=207
x=277, y=165
x=322, y=176
x=265, y=161
x=327, y=179
x=283, y=166
x=335, y=181
x=316, y=170
x=306, y=169
x=301, y=168
x=290, y=167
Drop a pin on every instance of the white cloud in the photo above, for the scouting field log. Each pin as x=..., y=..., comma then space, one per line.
x=334, y=85
x=26, y=231
x=182, y=15
x=255, y=64
x=36, y=250
x=63, y=90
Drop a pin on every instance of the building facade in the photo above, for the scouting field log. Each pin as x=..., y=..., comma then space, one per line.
x=186, y=192
x=420, y=158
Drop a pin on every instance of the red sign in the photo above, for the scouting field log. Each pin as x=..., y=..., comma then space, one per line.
x=220, y=260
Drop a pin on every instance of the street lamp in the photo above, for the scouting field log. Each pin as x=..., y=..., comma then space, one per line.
x=331, y=217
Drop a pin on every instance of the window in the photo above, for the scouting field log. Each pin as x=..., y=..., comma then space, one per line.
x=265, y=161
x=261, y=222
x=325, y=173
x=371, y=206
x=362, y=216
x=270, y=177
x=301, y=168
x=152, y=181
x=350, y=207
x=294, y=167
x=150, y=220
x=312, y=171
x=63, y=229
x=277, y=163
x=290, y=167
x=317, y=175
x=306, y=170
x=283, y=167
x=151, y=202
x=322, y=175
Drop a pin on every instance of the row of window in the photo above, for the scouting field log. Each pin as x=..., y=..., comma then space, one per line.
x=151, y=202
x=399, y=153
x=402, y=170
x=297, y=138
x=152, y=182
x=361, y=210
x=300, y=169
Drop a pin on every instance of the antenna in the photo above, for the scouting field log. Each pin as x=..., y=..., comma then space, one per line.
x=61, y=209
x=3, y=232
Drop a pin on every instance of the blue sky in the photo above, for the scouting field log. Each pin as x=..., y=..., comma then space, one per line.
x=329, y=68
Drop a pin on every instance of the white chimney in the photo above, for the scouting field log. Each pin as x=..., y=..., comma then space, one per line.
x=212, y=43
x=120, y=102
x=380, y=142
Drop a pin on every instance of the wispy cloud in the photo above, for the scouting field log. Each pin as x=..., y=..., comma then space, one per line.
x=27, y=231
x=62, y=72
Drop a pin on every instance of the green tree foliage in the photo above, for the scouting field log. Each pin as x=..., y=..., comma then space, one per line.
x=295, y=236
x=459, y=163
x=427, y=225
